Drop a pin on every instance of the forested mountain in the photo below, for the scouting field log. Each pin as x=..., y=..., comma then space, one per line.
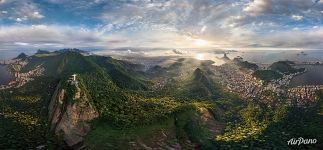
x=113, y=106
x=285, y=67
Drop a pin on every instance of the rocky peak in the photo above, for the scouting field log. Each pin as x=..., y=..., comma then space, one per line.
x=21, y=56
x=69, y=114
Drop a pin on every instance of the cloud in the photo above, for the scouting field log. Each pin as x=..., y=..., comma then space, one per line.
x=20, y=10
x=297, y=17
x=160, y=23
x=18, y=20
x=188, y=17
x=48, y=37
x=281, y=7
x=21, y=43
x=58, y=36
x=299, y=39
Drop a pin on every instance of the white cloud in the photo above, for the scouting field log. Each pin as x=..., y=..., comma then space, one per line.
x=203, y=29
x=37, y=15
x=21, y=43
x=42, y=36
x=256, y=7
x=307, y=39
x=297, y=17
x=25, y=10
x=18, y=20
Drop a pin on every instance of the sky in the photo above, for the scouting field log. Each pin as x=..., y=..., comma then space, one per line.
x=161, y=24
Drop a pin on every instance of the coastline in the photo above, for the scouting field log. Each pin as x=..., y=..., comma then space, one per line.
x=6, y=75
x=312, y=76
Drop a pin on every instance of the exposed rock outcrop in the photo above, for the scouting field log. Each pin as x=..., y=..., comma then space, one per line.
x=69, y=114
x=215, y=127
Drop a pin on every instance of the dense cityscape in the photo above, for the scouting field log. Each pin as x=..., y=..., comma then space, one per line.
x=243, y=82
x=21, y=78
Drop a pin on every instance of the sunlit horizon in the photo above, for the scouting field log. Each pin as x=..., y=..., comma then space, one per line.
x=170, y=24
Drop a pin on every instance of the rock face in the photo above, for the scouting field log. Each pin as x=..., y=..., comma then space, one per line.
x=69, y=113
x=214, y=127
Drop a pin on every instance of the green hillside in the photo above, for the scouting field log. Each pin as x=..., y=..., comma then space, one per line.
x=267, y=75
x=285, y=67
x=23, y=115
x=58, y=65
x=70, y=62
x=122, y=76
x=199, y=86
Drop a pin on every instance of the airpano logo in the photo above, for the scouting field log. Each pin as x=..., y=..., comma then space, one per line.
x=300, y=140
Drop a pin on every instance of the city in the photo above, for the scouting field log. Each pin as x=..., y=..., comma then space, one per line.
x=21, y=78
x=242, y=81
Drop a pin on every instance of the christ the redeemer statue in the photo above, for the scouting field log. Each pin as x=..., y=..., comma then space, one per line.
x=74, y=77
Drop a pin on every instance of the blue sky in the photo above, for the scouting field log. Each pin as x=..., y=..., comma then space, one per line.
x=195, y=24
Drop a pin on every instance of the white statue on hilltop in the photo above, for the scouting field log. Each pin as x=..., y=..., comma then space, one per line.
x=74, y=77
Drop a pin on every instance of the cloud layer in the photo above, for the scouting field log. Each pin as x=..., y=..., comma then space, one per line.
x=106, y=24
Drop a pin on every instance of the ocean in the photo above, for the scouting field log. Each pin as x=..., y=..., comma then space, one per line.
x=271, y=56
x=5, y=75
x=314, y=76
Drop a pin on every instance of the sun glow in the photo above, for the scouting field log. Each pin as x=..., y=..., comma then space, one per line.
x=200, y=56
x=200, y=42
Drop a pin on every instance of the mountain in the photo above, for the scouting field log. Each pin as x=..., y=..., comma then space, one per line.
x=68, y=112
x=201, y=86
x=267, y=75
x=112, y=105
x=121, y=72
x=61, y=64
x=197, y=85
x=245, y=64
x=21, y=56
x=276, y=71
x=42, y=52
x=69, y=62
x=111, y=92
x=71, y=50
x=225, y=57
x=285, y=67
